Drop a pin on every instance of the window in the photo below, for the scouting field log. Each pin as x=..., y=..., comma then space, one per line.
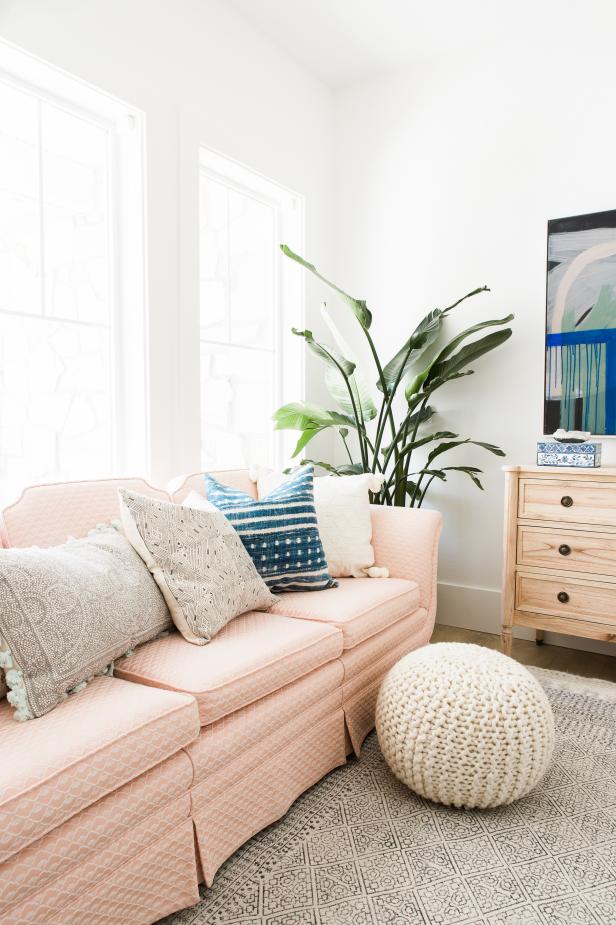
x=250, y=298
x=71, y=263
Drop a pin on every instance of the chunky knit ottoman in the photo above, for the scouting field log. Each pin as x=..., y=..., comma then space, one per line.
x=464, y=726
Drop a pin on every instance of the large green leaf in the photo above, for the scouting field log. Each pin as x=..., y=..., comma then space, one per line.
x=429, y=438
x=350, y=469
x=471, y=471
x=307, y=435
x=422, y=337
x=455, y=342
x=335, y=383
x=439, y=381
x=357, y=306
x=302, y=415
x=420, y=417
x=431, y=380
x=345, y=469
x=322, y=465
x=436, y=473
x=412, y=389
x=450, y=445
x=331, y=356
x=467, y=354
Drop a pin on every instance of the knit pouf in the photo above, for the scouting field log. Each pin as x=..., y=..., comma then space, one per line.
x=464, y=726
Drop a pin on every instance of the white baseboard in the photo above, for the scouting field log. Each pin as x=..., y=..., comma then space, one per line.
x=479, y=609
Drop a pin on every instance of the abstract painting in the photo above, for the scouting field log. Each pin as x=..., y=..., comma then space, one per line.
x=580, y=341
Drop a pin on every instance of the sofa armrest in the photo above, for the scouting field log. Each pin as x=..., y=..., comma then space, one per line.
x=405, y=541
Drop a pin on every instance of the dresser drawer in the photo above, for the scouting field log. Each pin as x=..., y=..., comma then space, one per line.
x=571, y=550
x=595, y=602
x=568, y=501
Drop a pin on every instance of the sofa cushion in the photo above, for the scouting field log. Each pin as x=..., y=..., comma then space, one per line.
x=254, y=655
x=359, y=607
x=91, y=744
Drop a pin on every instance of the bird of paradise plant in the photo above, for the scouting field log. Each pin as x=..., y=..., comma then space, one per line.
x=386, y=440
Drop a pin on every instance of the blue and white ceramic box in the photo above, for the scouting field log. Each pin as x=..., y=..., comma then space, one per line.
x=582, y=455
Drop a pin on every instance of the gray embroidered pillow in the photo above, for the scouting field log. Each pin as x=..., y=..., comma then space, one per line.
x=198, y=561
x=68, y=611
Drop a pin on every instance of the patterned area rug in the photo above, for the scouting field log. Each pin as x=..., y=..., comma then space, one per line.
x=361, y=849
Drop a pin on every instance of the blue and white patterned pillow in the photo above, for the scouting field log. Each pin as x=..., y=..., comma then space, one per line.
x=279, y=532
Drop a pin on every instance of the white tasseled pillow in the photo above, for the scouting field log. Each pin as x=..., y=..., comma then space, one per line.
x=343, y=514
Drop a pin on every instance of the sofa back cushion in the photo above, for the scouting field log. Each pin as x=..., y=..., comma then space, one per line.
x=68, y=611
x=46, y=515
x=180, y=488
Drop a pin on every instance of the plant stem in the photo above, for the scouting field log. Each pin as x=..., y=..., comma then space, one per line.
x=371, y=448
x=361, y=432
x=401, y=434
x=346, y=446
x=386, y=406
x=379, y=368
x=424, y=492
x=413, y=436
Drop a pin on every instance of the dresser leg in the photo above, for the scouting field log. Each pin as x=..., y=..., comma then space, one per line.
x=539, y=637
x=506, y=641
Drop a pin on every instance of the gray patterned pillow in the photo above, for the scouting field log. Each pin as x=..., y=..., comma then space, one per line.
x=66, y=612
x=198, y=561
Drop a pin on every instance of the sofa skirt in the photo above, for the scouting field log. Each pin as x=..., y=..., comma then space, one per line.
x=366, y=665
x=160, y=880
x=51, y=872
x=225, y=819
x=124, y=886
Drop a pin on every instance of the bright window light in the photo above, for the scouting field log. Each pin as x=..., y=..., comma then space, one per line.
x=250, y=361
x=67, y=236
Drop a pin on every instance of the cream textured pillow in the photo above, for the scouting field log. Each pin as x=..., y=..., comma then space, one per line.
x=198, y=561
x=343, y=514
x=66, y=612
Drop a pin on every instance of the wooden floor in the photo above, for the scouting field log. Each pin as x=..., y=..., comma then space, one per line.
x=587, y=664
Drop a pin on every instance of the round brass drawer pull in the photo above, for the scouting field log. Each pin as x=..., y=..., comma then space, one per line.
x=566, y=501
x=564, y=549
x=563, y=597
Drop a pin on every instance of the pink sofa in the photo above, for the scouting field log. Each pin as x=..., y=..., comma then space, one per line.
x=114, y=806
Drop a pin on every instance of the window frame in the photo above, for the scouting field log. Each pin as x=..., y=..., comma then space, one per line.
x=124, y=126
x=289, y=290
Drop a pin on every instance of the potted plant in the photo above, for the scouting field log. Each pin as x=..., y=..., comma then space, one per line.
x=386, y=439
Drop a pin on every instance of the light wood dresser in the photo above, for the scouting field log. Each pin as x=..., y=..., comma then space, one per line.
x=559, y=570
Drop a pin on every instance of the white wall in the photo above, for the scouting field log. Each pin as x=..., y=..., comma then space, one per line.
x=203, y=76
x=447, y=175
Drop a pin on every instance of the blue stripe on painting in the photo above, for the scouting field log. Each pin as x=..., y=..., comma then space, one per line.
x=572, y=342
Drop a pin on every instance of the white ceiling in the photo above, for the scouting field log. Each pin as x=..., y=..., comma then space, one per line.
x=343, y=41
